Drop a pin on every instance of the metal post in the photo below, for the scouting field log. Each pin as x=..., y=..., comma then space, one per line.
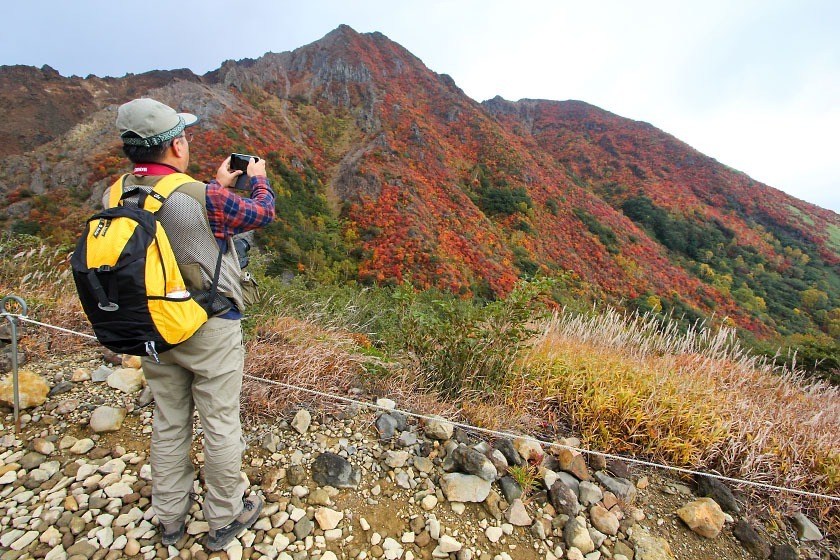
x=6, y=310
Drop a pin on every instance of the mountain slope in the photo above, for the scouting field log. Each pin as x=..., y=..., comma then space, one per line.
x=387, y=172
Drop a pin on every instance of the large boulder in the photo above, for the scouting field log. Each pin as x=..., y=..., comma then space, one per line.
x=333, y=470
x=127, y=380
x=107, y=419
x=470, y=461
x=458, y=487
x=437, y=427
x=709, y=487
x=563, y=499
x=32, y=390
x=703, y=516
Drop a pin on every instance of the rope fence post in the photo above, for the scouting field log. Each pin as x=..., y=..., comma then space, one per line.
x=7, y=310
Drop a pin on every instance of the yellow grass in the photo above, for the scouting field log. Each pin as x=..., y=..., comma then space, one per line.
x=694, y=400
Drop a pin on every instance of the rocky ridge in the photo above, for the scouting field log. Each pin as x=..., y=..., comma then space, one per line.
x=75, y=483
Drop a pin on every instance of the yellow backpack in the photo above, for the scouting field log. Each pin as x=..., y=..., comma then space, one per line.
x=128, y=281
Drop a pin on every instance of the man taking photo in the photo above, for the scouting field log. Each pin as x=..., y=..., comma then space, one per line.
x=205, y=371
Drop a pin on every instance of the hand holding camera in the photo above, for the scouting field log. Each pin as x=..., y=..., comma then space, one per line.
x=249, y=165
x=236, y=170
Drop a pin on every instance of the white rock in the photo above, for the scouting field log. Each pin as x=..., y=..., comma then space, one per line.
x=574, y=554
x=328, y=518
x=458, y=487
x=57, y=553
x=434, y=528
x=133, y=516
x=518, y=515
x=107, y=419
x=247, y=538
x=429, y=502
x=9, y=537
x=116, y=466
x=387, y=404
x=119, y=543
x=550, y=477
x=198, y=527
x=8, y=477
x=67, y=442
x=119, y=490
x=396, y=459
x=105, y=537
x=24, y=541
x=439, y=428
x=50, y=468
x=280, y=542
x=51, y=537
x=493, y=534
x=43, y=446
x=302, y=421
x=127, y=380
x=392, y=548
x=448, y=544
x=234, y=550
x=297, y=514
x=81, y=447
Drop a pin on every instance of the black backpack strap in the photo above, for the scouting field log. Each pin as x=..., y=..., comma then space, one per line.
x=101, y=297
x=214, y=287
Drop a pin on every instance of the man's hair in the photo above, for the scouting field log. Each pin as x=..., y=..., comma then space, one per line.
x=142, y=154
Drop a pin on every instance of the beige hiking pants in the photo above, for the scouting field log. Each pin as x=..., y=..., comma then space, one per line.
x=205, y=372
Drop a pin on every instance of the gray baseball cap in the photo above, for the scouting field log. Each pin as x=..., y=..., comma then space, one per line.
x=146, y=122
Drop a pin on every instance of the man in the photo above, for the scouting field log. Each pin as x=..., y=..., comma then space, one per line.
x=204, y=372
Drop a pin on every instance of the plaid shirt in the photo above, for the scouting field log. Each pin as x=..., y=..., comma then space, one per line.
x=230, y=214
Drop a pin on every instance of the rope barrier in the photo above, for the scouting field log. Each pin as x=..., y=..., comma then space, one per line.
x=495, y=433
x=28, y=320
x=507, y=435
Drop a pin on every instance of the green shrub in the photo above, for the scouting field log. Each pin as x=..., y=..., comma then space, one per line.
x=464, y=348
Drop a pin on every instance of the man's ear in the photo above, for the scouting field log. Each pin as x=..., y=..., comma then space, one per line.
x=179, y=148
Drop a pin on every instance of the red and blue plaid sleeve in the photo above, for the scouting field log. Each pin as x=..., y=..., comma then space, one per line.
x=230, y=214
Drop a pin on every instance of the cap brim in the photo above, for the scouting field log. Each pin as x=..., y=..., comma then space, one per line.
x=189, y=119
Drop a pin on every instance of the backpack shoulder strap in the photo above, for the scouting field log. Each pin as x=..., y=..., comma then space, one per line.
x=185, y=184
x=163, y=188
x=116, y=192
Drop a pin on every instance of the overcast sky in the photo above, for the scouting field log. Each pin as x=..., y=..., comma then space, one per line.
x=754, y=84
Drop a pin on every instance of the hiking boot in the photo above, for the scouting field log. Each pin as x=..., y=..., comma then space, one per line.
x=218, y=539
x=170, y=534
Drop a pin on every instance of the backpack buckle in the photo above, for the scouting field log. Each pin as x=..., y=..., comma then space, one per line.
x=152, y=351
